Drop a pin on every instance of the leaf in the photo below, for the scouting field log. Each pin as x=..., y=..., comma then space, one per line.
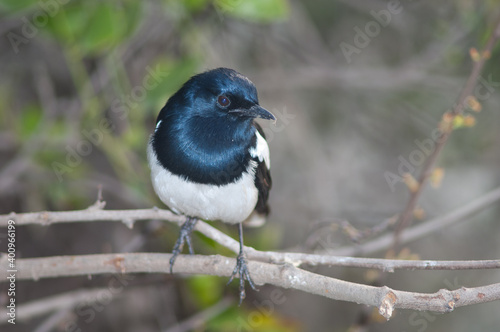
x=12, y=6
x=473, y=104
x=135, y=137
x=29, y=121
x=460, y=121
x=94, y=26
x=104, y=28
x=69, y=23
x=419, y=213
x=131, y=15
x=206, y=289
x=262, y=11
x=469, y=121
x=164, y=77
x=410, y=182
x=447, y=122
x=262, y=317
x=474, y=54
x=195, y=5
x=437, y=177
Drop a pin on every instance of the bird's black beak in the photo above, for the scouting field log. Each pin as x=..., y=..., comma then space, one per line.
x=254, y=112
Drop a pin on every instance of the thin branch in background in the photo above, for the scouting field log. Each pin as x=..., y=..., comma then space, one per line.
x=197, y=321
x=53, y=320
x=357, y=235
x=23, y=161
x=423, y=229
x=445, y=132
x=10, y=174
x=50, y=304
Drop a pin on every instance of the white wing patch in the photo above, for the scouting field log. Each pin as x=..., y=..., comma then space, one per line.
x=158, y=125
x=261, y=150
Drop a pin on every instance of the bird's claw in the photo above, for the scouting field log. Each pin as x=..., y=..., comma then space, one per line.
x=184, y=237
x=241, y=269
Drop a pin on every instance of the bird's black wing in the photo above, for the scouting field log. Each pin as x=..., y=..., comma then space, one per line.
x=263, y=181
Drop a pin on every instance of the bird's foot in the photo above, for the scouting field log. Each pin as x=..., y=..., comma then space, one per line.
x=241, y=268
x=184, y=237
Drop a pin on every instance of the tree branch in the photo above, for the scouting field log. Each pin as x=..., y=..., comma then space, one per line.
x=95, y=213
x=276, y=268
x=48, y=304
x=421, y=230
x=478, y=64
x=284, y=275
x=196, y=321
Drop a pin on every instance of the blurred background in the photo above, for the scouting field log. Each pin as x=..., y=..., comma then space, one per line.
x=357, y=86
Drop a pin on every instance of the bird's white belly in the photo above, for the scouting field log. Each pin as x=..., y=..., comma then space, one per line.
x=231, y=203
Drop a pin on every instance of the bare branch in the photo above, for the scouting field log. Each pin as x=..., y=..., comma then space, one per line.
x=386, y=265
x=422, y=229
x=196, y=321
x=66, y=301
x=284, y=275
x=95, y=213
x=53, y=303
x=478, y=64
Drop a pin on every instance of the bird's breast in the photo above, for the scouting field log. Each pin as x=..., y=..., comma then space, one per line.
x=232, y=202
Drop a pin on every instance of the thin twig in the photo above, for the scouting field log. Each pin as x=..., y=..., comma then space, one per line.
x=421, y=230
x=407, y=214
x=50, y=323
x=54, y=303
x=196, y=321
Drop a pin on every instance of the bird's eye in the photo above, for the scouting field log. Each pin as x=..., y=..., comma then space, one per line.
x=223, y=101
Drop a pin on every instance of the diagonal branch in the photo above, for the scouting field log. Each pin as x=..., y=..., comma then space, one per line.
x=197, y=321
x=422, y=229
x=407, y=214
x=38, y=308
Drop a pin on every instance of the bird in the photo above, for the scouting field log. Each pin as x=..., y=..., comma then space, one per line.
x=209, y=158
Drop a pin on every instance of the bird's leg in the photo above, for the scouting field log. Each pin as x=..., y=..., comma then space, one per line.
x=184, y=236
x=241, y=268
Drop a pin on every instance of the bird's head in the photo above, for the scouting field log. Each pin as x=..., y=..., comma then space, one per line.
x=207, y=126
x=220, y=93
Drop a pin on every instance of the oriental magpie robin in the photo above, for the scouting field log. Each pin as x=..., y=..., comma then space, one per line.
x=209, y=159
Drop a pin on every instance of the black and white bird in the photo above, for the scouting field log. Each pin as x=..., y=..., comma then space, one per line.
x=209, y=159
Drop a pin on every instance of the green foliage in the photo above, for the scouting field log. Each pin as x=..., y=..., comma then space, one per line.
x=16, y=5
x=206, y=290
x=95, y=27
x=250, y=318
x=195, y=5
x=177, y=71
x=104, y=27
x=29, y=121
x=262, y=11
x=100, y=66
